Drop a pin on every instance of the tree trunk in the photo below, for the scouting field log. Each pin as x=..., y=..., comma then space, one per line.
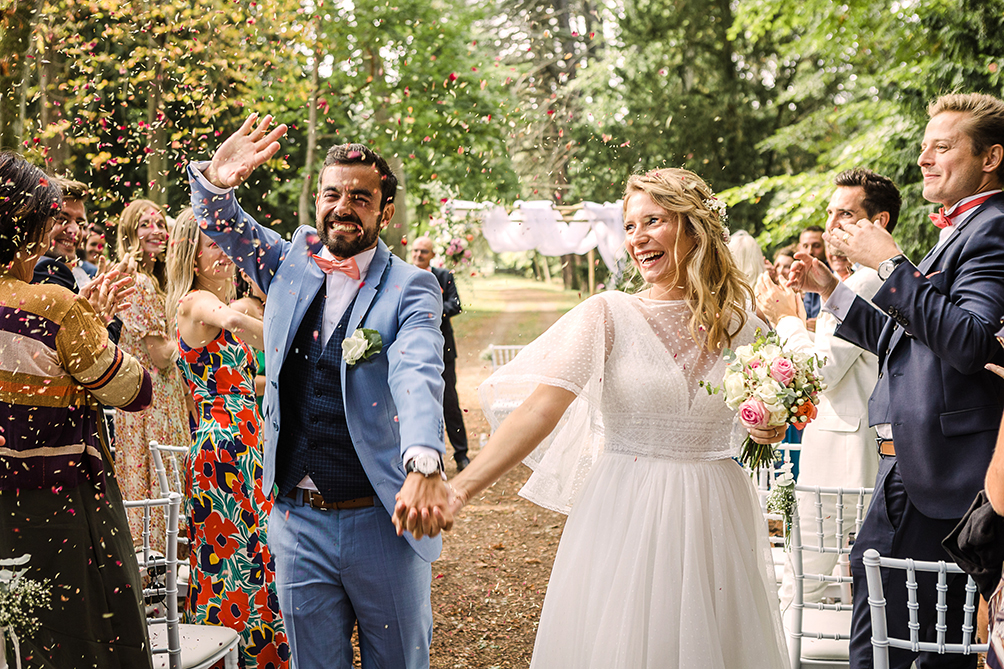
x=15, y=41
x=303, y=210
x=156, y=172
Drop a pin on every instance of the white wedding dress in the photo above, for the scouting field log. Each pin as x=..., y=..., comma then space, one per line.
x=663, y=562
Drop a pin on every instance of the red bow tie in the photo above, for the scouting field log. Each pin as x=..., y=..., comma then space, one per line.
x=347, y=267
x=943, y=220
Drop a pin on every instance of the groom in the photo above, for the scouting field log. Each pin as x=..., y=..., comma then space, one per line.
x=340, y=432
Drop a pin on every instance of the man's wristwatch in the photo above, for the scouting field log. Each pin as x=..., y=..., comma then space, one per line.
x=426, y=465
x=886, y=267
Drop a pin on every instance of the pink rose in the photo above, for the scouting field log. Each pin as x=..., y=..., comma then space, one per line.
x=754, y=363
x=782, y=371
x=752, y=413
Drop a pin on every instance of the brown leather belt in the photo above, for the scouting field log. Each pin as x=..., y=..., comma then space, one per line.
x=314, y=499
x=886, y=447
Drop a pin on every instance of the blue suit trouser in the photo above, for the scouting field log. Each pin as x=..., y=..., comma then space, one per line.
x=895, y=528
x=335, y=568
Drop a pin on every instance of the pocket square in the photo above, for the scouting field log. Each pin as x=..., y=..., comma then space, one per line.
x=933, y=273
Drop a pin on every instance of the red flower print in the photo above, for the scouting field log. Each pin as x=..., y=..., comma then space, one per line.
x=234, y=610
x=220, y=533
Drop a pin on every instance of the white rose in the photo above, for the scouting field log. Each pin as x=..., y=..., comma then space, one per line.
x=353, y=347
x=745, y=353
x=799, y=357
x=735, y=388
x=767, y=391
x=769, y=352
x=778, y=414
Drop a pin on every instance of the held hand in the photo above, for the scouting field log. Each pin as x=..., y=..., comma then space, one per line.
x=863, y=242
x=243, y=151
x=775, y=301
x=767, y=435
x=423, y=506
x=809, y=275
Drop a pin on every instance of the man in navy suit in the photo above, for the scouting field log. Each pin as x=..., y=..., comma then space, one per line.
x=422, y=254
x=352, y=407
x=935, y=408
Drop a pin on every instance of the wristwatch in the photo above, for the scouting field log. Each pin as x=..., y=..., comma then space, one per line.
x=886, y=267
x=426, y=465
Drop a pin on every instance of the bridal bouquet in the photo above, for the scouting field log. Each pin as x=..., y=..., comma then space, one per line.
x=770, y=387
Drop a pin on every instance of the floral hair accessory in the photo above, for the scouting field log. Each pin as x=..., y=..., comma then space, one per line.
x=719, y=207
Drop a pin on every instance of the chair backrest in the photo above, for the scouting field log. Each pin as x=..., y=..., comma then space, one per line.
x=503, y=353
x=160, y=452
x=162, y=571
x=822, y=541
x=881, y=641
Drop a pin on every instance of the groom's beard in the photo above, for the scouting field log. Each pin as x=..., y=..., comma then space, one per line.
x=346, y=248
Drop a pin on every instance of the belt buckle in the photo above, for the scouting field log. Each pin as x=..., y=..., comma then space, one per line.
x=319, y=505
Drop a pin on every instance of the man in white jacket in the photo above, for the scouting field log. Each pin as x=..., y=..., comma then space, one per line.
x=838, y=447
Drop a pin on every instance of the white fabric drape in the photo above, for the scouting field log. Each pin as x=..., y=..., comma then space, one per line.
x=537, y=226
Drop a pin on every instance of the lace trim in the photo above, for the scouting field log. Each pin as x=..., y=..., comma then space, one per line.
x=673, y=438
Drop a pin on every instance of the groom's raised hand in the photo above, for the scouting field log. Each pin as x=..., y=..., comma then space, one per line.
x=243, y=151
x=423, y=506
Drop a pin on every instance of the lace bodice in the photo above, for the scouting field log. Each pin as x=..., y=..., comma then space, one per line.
x=637, y=374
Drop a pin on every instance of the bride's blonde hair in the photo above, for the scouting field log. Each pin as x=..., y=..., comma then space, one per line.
x=716, y=290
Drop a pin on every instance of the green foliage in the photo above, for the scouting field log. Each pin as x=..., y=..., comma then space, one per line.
x=863, y=74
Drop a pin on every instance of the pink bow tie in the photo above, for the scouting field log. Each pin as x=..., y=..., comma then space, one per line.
x=347, y=267
x=943, y=220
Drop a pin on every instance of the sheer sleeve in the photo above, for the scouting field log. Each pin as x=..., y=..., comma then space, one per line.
x=570, y=355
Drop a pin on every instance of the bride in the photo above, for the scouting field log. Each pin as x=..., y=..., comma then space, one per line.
x=663, y=561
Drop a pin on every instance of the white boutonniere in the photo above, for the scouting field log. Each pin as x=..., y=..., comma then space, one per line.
x=362, y=345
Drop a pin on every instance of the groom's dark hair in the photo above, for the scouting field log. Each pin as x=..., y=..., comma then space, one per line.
x=359, y=154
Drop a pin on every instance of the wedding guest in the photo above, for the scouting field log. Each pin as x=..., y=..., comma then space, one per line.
x=747, y=255
x=251, y=301
x=838, y=448
x=783, y=259
x=59, y=498
x=92, y=248
x=662, y=559
x=142, y=243
x=59, y=265
x=363, y=378
x=233, y=574
x=422, y=254
x=811, y=242
x=935, y=408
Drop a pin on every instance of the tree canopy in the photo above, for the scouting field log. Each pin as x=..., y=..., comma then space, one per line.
x=497, y=101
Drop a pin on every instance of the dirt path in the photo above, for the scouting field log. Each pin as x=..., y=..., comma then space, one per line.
x=489, y=584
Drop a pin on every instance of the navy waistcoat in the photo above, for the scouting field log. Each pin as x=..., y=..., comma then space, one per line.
x=314, y=437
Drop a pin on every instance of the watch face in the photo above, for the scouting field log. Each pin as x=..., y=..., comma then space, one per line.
x=425, y=465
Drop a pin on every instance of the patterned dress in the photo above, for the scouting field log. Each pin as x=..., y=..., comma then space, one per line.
x=165, y=421
x=233, y=574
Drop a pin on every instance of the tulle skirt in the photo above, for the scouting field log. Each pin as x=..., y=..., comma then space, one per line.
x=663, y=563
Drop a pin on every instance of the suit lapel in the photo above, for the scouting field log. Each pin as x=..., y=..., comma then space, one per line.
x=367, y=293
x=934, y=254
x=310, y=282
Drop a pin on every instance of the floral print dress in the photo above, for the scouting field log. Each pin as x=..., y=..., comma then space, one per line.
x=166, y=421
x=232, y=579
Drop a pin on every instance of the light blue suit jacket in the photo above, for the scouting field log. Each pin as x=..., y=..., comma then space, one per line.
x=392, y=401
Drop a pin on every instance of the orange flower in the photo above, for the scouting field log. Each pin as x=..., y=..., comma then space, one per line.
x=807, y=410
